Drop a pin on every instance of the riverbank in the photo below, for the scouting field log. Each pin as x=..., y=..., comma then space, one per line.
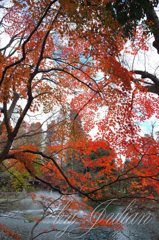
x=12, y=195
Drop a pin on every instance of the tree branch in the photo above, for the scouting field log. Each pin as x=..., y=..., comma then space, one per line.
x=153, y=88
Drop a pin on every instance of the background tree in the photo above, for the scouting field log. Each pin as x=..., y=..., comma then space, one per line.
x=29, y=133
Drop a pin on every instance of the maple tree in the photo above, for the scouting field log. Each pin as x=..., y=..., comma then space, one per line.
x=64, y=55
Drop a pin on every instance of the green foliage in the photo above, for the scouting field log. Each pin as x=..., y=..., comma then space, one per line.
x=28, y=217
x=18, y=180
x=130, y=12
x=5, y=180
x=101, y=153
x=13, y=180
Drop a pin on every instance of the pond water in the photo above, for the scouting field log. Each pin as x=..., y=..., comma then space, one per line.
x=18, y=219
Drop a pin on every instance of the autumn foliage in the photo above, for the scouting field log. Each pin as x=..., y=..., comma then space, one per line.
x=60, y=72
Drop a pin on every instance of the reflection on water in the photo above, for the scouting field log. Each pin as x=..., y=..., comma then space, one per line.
x=19, y=219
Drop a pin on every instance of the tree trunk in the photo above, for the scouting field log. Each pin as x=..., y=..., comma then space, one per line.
x=152, y=16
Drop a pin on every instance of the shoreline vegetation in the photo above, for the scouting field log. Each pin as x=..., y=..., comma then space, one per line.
x=5, y=196
x=12, y=195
